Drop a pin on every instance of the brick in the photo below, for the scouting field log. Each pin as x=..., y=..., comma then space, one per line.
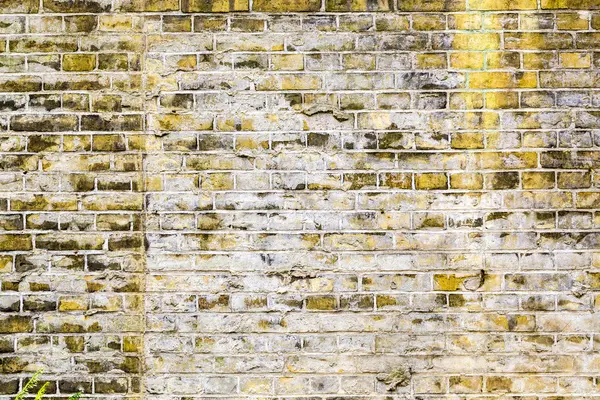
x=44, y=123
x=575, y=60
x=574, y=5
x=287, y=5
x=537, y=41
x=12, y=6
x=431, y=181
x=429, y=6
x=502, y=80
x=79, y=62
x=16, y=324
x=15, y=242
x=466, y=41
x=357, y=5
x=538, y=180
x=214, y=5
x=502, y=5
x=70, y=6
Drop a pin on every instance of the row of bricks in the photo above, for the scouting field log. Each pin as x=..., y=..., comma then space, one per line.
x=305, y=322
x=312, y=83
x=297, y=181
x=395, y=22
x=102, y=6
x=261, y=303
x=72, y=343
x=313, y=201
x=98, y=385
x=506, y=221
x=541, y=282
x=332, y=142
x=367, y=384
x=400, y=343
x=120, y=62
x=246, y=262
x=438, y=121
x=305, y=102
x=384, y=161
x=424, y=120
x=306, y=42
x=306, y=343
x=275, y=181
x=425, y=241
x=289, y=385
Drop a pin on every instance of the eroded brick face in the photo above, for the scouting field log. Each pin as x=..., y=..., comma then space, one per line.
x=277, y=199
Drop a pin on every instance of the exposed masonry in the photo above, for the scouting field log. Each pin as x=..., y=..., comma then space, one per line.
x=342, y=200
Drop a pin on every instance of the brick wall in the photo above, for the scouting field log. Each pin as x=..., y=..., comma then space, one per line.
x=337, y=199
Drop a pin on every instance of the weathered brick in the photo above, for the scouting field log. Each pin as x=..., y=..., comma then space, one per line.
x=45, y=123
x=26, y=6
x=358, y=5
x=502, y=5
x=73, y=6
x=286, y=5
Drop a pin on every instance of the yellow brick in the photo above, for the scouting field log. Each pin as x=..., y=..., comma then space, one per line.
x=132, y=344
x=214, y=5
x=467, y=60
x=431, y=181
x=473, y=41
x=466, y=100
x=286, y=5
x=115, y=23
x=321, y=303
x=534, y=22
x=466, y=181
x=545, y=60
x=431, y=61
x=573, y=21
x=499, y=5
x=503, y=60
x=467, y=140
x=575, y=60
x=429, y=22
x=498, y=384
x=300, y=82
x=177, y=23
x=537, y=41
x=79, y=62
x=538, y=180
x=465, y=21
x=506, y=160
x=15, y=242
x=73, y=303
x=501, y=21
x=570, y=4
x=499, y=100
x=465, y=384
x=392, y=22
x=430, y=6
x=288, y=62
x=350, y=5
x=502, y=80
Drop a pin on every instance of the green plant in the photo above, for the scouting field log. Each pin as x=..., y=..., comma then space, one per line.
x=42, y=390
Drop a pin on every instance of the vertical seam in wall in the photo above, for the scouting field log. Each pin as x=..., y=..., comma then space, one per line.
x=143, y=218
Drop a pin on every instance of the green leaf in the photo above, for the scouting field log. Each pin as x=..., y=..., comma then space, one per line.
x=40, y=394
x=75, y=396
x=31, y=383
